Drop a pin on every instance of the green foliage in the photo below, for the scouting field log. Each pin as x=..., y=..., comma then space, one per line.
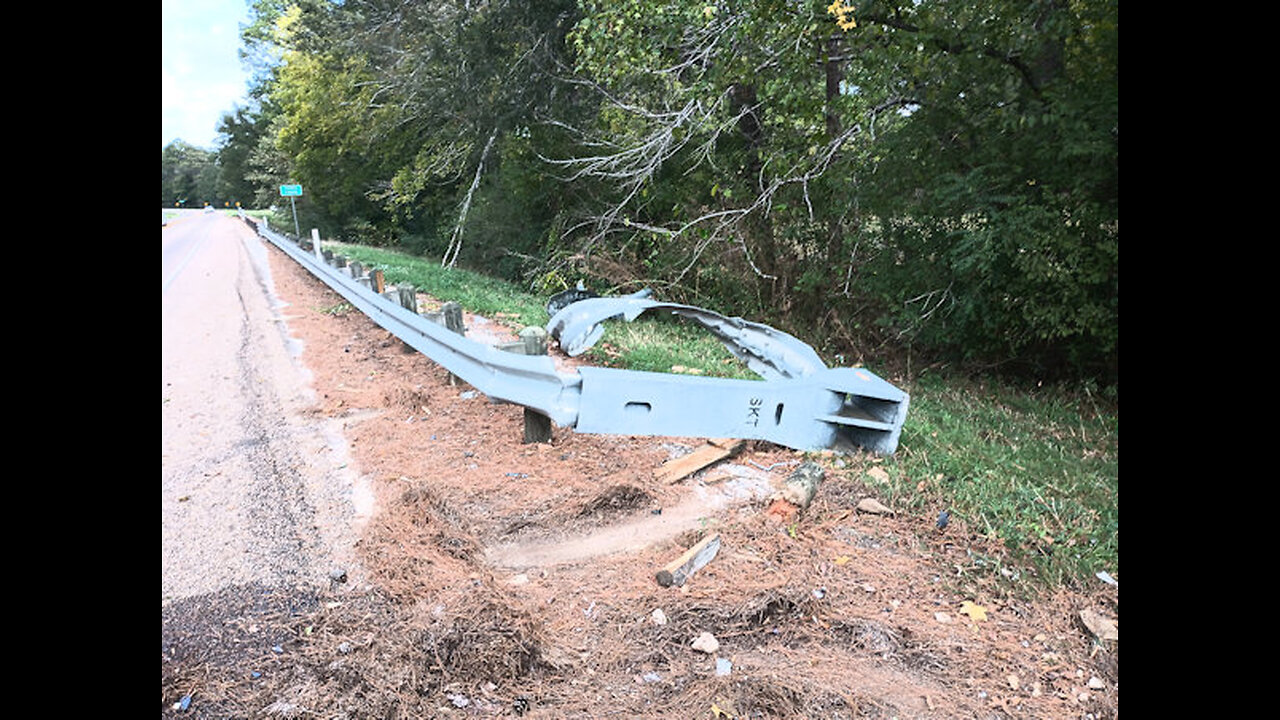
x=189, y=176
x=922, y=173
x=1000, y=190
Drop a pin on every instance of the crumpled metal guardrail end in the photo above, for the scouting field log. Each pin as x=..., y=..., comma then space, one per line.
x=802, y=404
x=836, y=409
x=770, y=353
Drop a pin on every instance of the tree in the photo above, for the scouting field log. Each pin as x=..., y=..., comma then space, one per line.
x=898, y=171
x=1002, y=187
x=239, y=133
x=946, y=173
x=189, y=176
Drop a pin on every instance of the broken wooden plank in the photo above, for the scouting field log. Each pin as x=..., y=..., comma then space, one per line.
x=713, y=452
x=695, y=558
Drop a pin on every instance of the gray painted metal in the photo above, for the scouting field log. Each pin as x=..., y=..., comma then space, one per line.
x=801, y=404
x=520, y=379
x=770, y=353
x=837, y=408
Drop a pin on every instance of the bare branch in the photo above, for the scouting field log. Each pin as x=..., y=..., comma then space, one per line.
x=455, y=243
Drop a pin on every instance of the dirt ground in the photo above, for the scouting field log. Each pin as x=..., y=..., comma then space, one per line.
x=506, y=579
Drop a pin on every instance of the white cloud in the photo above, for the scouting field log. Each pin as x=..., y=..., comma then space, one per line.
x=201, y=75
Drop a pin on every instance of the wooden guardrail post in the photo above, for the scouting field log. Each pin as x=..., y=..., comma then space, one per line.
x=407, y=295
x=451, y=314
x=537, y=427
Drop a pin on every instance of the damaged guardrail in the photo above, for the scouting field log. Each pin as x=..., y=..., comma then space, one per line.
x=801, y=403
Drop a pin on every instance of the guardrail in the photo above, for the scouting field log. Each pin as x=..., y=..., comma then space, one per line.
x=800, y=403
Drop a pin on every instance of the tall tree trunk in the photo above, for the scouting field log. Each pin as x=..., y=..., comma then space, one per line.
x=758, y=229
x=833, y=67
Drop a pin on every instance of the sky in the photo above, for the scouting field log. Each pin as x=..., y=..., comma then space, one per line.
x=202, y=78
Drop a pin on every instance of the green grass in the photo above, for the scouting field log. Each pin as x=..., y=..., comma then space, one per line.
x=474, y=292
x=1034, y=471
x=659, y=343
x=652, y=343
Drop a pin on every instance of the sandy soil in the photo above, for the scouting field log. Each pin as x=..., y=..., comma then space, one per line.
x=498, y=578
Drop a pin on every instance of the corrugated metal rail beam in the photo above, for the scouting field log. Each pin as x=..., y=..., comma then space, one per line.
x=801, y=403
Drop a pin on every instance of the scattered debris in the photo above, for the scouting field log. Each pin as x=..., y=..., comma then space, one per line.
x=723, y=667
x=797, y=492
x=713, y=452
x=1102, y=627
x=695, y=558
x=802, y=485
x=944, y=517
x=707, y=643
x=718, y=712
x=872, y=506
x=281, y=708
x=1105, y=577
x=973, y=610
x=757, y=595
x=659, y=617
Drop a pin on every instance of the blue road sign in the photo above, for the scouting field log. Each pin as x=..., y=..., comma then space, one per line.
x=290, y=191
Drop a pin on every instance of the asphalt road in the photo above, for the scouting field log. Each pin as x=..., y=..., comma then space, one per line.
x=252, y=492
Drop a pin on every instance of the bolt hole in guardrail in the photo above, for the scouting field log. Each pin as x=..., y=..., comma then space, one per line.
x=637, y=408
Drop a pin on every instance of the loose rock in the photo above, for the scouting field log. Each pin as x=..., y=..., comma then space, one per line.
x=873, y=507
x=706, y=643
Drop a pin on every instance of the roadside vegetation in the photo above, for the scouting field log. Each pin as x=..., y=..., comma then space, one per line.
x=1032, y=469
x=929, y=174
